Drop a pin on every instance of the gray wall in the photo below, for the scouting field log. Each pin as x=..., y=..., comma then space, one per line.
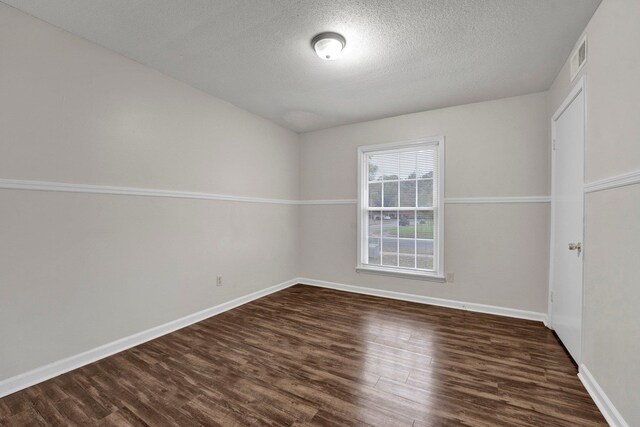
x=498, y=252
x=81, y=270
x=611, y=334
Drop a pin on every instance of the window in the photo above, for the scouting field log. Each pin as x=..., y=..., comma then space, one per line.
x=400, y=210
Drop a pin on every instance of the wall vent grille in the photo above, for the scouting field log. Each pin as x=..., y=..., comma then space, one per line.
x=579, y=58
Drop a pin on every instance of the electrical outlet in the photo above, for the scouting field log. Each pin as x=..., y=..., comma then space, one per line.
x=218, y=280
x=450, y=277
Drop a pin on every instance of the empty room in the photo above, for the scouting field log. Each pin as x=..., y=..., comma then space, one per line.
x=320, y=213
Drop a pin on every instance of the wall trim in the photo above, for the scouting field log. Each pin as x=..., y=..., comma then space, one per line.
x=613, y=182
x=22, y=184
x=51, y=370
x=43, y=373
x=510, y=199
x=460, y=305
x=447, y=200
x=609, y=411
x=328, y=202
x=67, y=187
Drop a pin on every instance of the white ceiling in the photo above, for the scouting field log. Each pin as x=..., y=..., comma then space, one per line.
x=402, y=56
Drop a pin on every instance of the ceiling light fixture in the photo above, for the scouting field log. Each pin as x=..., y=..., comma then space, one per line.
x=328, y=46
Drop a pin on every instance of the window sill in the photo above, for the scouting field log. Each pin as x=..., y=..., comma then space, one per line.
x=403, y=274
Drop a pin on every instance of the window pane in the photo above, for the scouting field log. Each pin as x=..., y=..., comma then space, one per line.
x=424, y=256
x=374, y=251
x=390, y=194
x=426, y=162
x=407, y=246
x=425, y=193
x=390, y=166
x=424, y=228
x=390, y=224
x=375, y=223
x=407, y=193
x=407, y=261
x=390, y=252
x=407, y=251
x=375, y=168
x=407, y=225
x=375, y=194
x=408, y=165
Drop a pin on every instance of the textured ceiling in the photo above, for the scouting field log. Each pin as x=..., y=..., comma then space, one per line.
x=402, y=56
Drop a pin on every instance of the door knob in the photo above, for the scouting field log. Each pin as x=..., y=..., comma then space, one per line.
x=575, y=247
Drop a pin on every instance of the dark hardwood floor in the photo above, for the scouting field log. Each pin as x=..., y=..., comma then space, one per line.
x=312, y=356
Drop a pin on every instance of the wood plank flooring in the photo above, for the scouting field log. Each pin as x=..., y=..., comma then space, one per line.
x=308, y=356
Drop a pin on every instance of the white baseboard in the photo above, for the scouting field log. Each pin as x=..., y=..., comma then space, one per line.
x=35, y=376
x=610, y=413
x=480, y=308
x=43, y=373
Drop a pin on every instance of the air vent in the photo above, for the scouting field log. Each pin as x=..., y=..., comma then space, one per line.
x=579, y=58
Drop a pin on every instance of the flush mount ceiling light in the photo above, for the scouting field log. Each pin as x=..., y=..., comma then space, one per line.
x=328, y=46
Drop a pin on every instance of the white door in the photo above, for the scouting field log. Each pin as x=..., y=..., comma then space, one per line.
x=567, y=220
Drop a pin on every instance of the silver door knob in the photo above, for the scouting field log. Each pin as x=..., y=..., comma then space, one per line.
x=575, y=246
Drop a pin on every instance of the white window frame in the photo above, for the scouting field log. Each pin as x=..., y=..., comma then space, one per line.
x=438, y=209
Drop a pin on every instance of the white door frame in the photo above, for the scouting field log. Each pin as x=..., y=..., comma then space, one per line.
x=580, y=87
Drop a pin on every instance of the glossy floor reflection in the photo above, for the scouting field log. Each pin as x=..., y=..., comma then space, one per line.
x=312, y=356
